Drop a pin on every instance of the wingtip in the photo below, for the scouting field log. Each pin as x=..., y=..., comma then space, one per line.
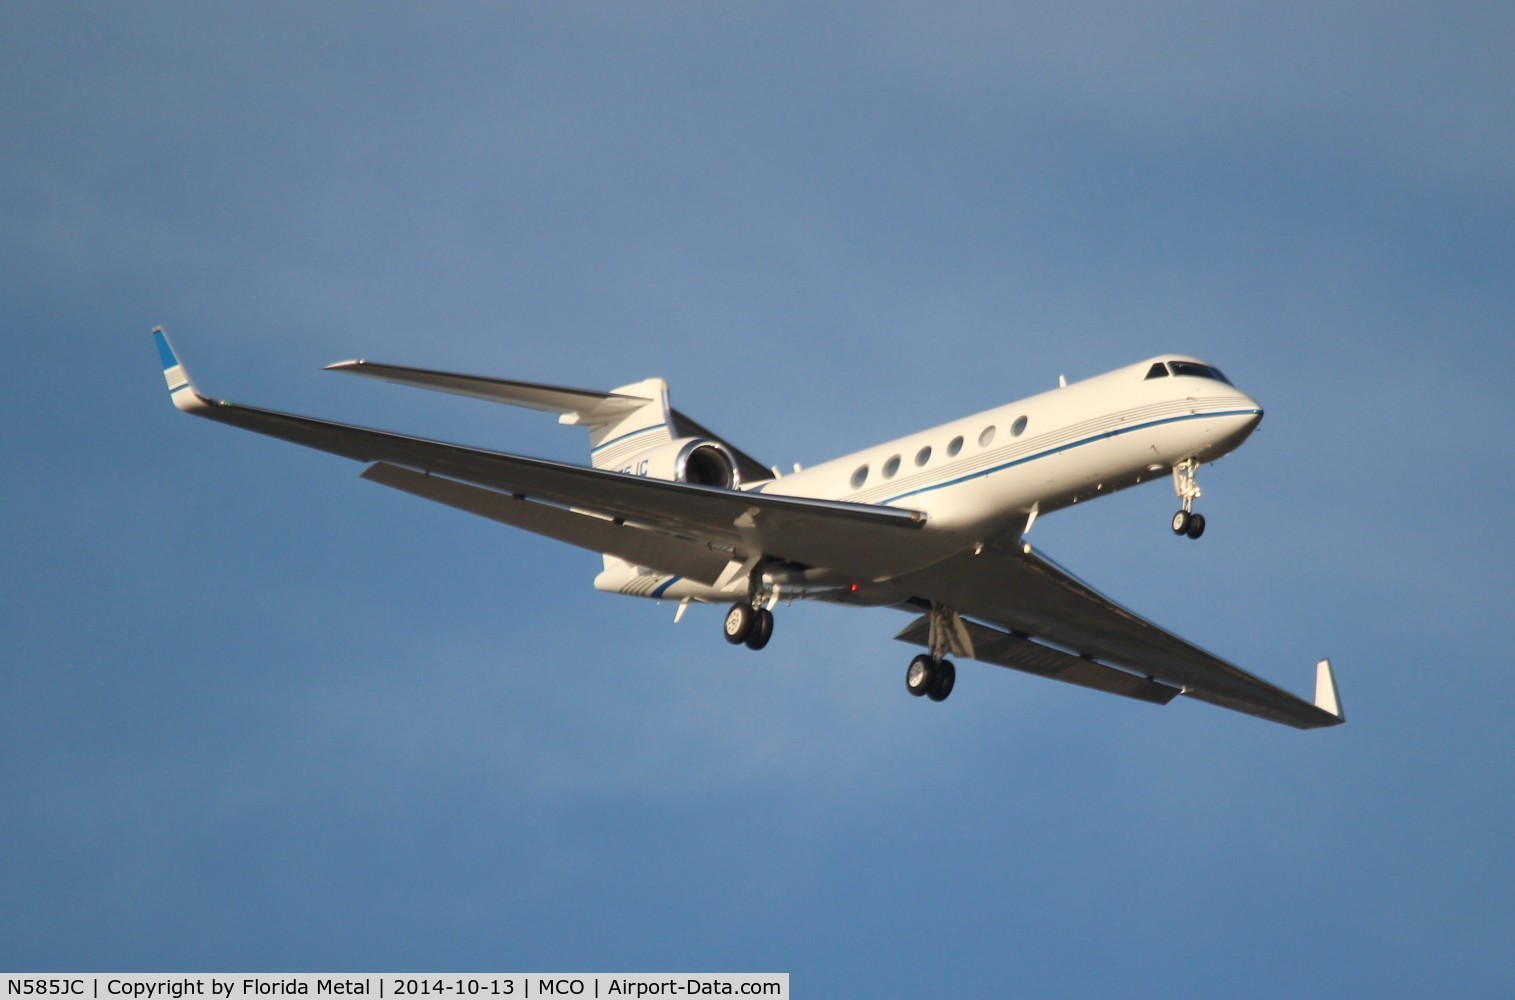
x=345, y=365
x=1327, y=699
x=180, y=388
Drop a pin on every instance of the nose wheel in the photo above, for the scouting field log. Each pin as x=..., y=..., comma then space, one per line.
x=1185, y=521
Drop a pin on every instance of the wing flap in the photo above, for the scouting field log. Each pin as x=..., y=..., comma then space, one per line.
x=640, y=546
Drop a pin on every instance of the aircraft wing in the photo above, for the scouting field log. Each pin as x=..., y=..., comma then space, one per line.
x=732, y=522
x=1114, y=649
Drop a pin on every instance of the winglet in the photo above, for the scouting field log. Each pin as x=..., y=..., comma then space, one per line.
x=180, y=389
x=1326, y=698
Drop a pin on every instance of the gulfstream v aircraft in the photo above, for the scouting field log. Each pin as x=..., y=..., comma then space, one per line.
x=931, y=523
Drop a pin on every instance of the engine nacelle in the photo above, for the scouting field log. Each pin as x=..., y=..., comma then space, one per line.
x=700, y=461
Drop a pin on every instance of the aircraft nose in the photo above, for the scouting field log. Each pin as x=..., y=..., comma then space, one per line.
x=1250, y=415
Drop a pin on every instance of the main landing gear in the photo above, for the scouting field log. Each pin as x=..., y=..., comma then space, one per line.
x=748, y=624
x=1185, y=521
x=930, y=676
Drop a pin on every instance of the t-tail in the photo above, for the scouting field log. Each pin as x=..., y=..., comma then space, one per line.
x=632, y=429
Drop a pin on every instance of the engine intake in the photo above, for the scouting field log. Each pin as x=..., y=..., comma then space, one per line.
x=707, y=463
x=699, y=461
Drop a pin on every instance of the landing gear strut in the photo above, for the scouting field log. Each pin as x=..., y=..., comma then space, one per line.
x=932, y=674
x=1186, y=522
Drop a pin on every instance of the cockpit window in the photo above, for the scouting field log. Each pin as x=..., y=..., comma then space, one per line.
x=1158, y=370
x=1195, y=370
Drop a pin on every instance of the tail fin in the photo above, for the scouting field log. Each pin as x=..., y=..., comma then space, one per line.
x=622, y=435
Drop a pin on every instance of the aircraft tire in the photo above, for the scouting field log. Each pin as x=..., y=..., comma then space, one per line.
x=1196, y=526
x=920, y=676
x=738, y=624
x=1181, y=522
x=946, y=680
x=762, y=629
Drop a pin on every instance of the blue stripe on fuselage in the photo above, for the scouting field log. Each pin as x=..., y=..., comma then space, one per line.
x=1069, y=447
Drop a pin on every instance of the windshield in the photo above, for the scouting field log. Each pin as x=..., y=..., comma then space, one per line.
x=1194, y=369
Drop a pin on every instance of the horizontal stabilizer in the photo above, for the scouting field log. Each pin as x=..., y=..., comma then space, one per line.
x=585, y=407
x=590, y=407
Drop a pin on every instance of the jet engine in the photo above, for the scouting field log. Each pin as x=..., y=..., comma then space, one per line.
x=699, y=461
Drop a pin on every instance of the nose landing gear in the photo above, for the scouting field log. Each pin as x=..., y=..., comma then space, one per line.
x=1185, y=521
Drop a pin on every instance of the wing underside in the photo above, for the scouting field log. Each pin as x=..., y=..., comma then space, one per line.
x=1006, y=649
x=1050, y=623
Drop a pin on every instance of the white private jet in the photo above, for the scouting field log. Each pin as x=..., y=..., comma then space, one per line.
x=931, y=523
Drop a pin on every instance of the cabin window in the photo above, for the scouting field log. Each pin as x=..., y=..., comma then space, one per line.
x=1019, y=427
x=923, y=456
x=985, y=436
x=860, y=477
x=891, y=467
x=955, y=445
x=1158, y=370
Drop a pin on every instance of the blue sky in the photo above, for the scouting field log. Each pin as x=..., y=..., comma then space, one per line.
x=258, y=714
